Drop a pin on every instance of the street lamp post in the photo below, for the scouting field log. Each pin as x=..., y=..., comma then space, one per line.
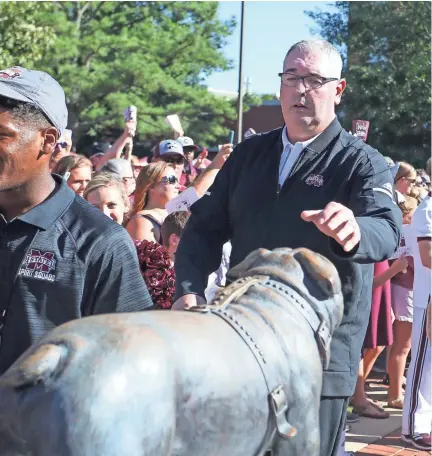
x=240, y=80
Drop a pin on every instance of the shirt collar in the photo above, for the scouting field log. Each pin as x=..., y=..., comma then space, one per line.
x=303, y=144
x=45, y=214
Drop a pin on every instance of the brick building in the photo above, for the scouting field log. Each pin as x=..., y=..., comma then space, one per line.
x=264, y=117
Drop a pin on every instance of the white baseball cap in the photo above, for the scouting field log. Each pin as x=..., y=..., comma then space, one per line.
x=185, y=141
x=170, y=147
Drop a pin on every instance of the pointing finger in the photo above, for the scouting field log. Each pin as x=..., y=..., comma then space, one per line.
x=309, y=216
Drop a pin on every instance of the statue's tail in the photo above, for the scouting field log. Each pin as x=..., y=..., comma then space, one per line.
x=40, y=365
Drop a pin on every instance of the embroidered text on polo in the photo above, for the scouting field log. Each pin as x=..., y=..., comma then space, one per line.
x=38, y=265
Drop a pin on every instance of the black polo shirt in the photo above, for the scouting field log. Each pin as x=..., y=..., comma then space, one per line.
x=62, y=260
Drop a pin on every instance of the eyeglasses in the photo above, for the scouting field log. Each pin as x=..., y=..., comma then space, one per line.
x=309, y=82
x=169, y=180
x=174, y=160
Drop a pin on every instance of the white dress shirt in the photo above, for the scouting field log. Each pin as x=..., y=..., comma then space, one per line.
x=290, y=154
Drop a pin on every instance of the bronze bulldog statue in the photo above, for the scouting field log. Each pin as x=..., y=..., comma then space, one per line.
x=240, y=377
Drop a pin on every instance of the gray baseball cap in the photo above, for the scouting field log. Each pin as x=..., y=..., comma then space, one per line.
x=119, y=166
x=38, y=88
x=170, y=147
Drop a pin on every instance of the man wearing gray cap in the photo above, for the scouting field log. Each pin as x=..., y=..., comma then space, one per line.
x=60, y=258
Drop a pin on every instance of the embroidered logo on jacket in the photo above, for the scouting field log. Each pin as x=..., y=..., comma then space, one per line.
x=39, y=265
x=315, y=179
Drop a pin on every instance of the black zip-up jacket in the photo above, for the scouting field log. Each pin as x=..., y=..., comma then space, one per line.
x=244, y=205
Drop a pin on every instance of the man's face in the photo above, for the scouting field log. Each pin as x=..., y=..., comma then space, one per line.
x=306, y=109
x=24, y=152
x=189, y=154
x=177, y=161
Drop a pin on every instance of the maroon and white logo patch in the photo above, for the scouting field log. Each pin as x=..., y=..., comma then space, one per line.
x=39, y=265
x=315, y=179
x=10, y=73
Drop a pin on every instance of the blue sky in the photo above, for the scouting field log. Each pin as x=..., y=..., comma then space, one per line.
x=270, y=28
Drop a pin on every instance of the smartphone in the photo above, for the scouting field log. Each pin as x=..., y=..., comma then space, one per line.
x=203, y=154
x=130, y=113
x=231, y=137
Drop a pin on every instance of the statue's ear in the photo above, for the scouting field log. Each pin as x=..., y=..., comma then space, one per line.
x=321, y=277
x=240, y=270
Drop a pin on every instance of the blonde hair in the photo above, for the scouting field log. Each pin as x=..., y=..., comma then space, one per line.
x=405, y=170
x=71, y=162
x=106, y=179
x=409, y=205
x=148, y=176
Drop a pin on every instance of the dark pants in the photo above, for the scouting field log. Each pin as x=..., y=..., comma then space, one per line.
x=332, y=423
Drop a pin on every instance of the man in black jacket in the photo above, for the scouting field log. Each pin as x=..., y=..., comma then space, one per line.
x=308, y=184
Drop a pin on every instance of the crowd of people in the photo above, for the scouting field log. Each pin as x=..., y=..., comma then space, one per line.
x=178, y=259
x=134, y=193
x=401, y=287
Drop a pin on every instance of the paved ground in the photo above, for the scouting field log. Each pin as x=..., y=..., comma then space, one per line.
x=369, y=437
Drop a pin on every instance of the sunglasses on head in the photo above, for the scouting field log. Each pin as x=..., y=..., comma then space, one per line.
x=174, y=160
x=411, y=180
x=169, y=180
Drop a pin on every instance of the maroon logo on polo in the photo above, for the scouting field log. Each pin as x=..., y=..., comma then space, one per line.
x=10, y=73
x=39, y=265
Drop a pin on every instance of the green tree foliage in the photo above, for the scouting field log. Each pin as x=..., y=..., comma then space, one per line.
x=387, y=49
x=24, y=38
x=154, y=55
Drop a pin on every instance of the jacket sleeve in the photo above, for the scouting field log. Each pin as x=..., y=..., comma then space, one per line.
x=378, y=215
x=200, y=249
x=113, y=281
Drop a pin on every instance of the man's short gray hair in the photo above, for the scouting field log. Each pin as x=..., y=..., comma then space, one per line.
x=324, y=47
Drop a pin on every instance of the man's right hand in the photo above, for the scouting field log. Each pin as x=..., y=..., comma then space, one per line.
x=187, y=301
